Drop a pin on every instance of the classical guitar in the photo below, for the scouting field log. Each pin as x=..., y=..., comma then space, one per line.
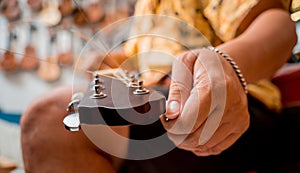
x=8, y=62
x=11, y=10
x=35, y=5
x=50, y=14
x=115, y=100
x=48, y=69
x=30, y=60
x=94, y=12
x=64, y=44
x=66, y=7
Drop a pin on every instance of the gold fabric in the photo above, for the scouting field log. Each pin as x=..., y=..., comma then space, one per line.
x=217, y=20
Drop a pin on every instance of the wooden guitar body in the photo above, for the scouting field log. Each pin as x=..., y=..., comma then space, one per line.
x=8, y=63
x=35, y=4
x=66, y=7
x=50, y=14
x=10, y=9
x=94, y=13
x=49, y=70
x=65, y=58
x=80, y=18
x=30, y=60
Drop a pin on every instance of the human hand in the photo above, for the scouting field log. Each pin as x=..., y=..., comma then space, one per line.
x=207, y=106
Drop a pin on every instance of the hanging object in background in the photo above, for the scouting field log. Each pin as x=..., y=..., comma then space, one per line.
x=80, y=17
x=11, y=10
x=94, y=12
x=50, y=14
x=8, y=62
x=30, y=60
x=64, y=44
x=49, y=69
x=66, y=7
x=7, y=165
x=35, y=5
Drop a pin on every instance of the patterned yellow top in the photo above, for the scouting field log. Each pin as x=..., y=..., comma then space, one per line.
x=217, y=20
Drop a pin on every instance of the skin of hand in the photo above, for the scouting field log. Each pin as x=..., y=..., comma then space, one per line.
x=207, y=106
x=211, y=101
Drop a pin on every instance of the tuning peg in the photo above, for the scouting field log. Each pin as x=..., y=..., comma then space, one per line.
x=72, y=122
x=97, y=81
x=133, y=80
x=140, y=89
x=98, y=94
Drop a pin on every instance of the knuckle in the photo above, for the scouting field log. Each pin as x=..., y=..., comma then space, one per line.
x=193, y=144
x=198, y=153
x=177, y=87
x=201, y=153
x=193, y=141
x=216, y=150
x=187, y=57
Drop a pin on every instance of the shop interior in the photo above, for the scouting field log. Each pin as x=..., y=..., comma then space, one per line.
x=42, y=46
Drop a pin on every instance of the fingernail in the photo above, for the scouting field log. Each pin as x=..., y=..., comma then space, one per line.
x=172, y=109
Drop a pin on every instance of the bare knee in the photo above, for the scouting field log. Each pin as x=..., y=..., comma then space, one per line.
x=46, y=142
x=45, y=110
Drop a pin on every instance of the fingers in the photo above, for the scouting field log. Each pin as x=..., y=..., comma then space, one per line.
x=215, y=79
x=224, y=137
x=213, y=115
x=192, y=114
x=231, y=129
x=218, y=148
x=181, y=83
x=207, y=98
x=191, y=141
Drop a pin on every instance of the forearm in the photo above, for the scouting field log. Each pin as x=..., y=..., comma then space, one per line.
x=265, y=46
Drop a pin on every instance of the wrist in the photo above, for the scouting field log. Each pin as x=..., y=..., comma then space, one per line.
x=233, y=65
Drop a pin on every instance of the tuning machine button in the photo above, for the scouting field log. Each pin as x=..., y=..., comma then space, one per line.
x=73, y=106
x=140, y=89
x=71, y=121
x=97, y=81
x=98, y=87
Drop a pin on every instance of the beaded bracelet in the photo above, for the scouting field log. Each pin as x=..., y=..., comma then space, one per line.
x=234, y=66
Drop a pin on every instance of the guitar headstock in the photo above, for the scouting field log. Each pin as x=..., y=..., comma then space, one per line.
x=117, y=101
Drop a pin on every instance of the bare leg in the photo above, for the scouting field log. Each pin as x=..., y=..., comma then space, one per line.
x=48, y=147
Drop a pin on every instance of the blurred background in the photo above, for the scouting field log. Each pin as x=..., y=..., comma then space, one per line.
x=40, y=41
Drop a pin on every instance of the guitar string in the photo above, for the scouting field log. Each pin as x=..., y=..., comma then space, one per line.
x=107, y=50
x=91, y=72
x=122, y=78
x=84, y=37
x=23, y=55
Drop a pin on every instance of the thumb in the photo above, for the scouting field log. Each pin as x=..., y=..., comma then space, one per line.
x=181, y=83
